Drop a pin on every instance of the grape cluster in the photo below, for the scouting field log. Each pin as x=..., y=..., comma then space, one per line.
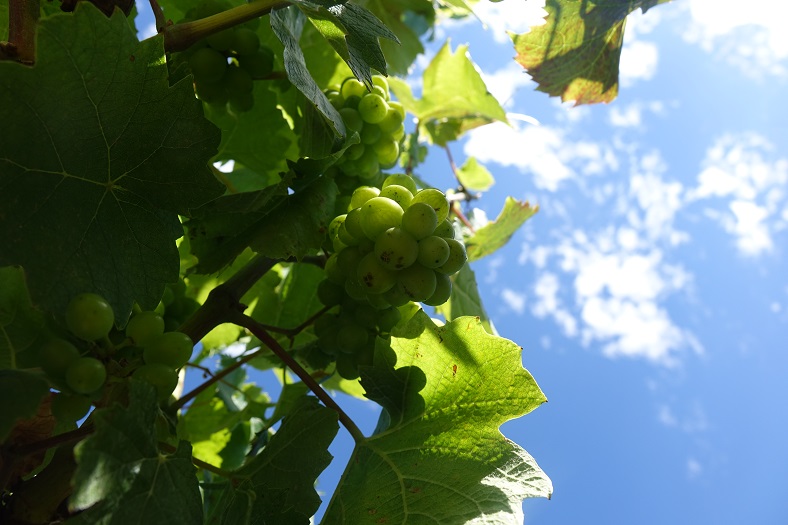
x=225, y=64
x=377, y=119
x=175, y=306
x=79, y=368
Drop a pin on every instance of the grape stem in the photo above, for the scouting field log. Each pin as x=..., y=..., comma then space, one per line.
x=22, y=21
x=158, y=14
x=178, y=37
x=262, y=334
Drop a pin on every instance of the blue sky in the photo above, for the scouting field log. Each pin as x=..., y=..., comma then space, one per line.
x=650, y=293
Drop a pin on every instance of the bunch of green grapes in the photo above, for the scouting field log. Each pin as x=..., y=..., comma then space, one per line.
x=347, y=334
x=395, y=245
x=225, y=64
x=377, y=119
x=175, y=306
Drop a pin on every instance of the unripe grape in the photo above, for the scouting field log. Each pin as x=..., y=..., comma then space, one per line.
x=378, y=302
x=433, y=251
x=399, y=194
x=163, y=378
x=379, y=91
x=373, y=108
x=352, y=119
x=353, y=224
x=370, y=134
x=396, y=249
x=436, y=199
x=213, y=94
x=70, y=408
x=391, y=122
x=55, y=356
x=362, y=194
x=89, y=317
x=333, y=272
x=401, y=179
x=347, y=367
x=207, y=65
x=399, y=108
x=355, y=289
x=457, y=258
x=330, y=293
x=378, y=215
x=396, y=296
x=445, y=229
x=352, y=102
x=346, y=237
x=173, y=349
x=368, y=165
x=334, y=225
x=348, y=260
x=259, y=64
x=352, y=87
x=374, y=277
x=399, y=133
x=387, y=150
x=221, y=41
x=354, y=152
x=419, y=220
x=144, y=327
x=336, y=99
x=245, y=41
x=442, y=290
x=366, y=317
x=86, y=375
x=417, y=282
x=380, y=80
x=351, y=337
x=237, y=81
x=388, y=318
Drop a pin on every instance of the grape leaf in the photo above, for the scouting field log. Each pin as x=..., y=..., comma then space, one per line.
x=122, y=477
x=494, y=235
x=27, y=391
x=475, y=176
x=98, y=156
x=454, y=97
x=575, y=54
x=398, y=16
x=439, y=457
x=277, y=486
x=465, y=300
x=288, y=23
x=20, y=323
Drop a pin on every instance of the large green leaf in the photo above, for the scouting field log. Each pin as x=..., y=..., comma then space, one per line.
x=121, y=476
x=27, y=390
x=465, y=300
x=575, y=54
x=438, y=456
x=454, y=97
x=98, y=156
x=494, y=235
x=20, y=323
x=400, y=56
x=277, y=486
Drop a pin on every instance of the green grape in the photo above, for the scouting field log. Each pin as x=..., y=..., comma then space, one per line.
x=355, y=289
x=144, y=327
x=419, y=220
x=330, y=293
x=396, y=249
x=221, y=41
x=259, y=64
x=348, y=260
x=379, y=91
x=70, y=408
x=380, y=80
x=355, y=152
x=377, y=301
x=334, y=225
x=346, y=237
x=399, y=133
x=399, y=108
x=168, y=296
x=396, y=297
x=370, y=134
x=352, y=102
x=347, y=367
x=399, y=194
x=352, y=119
x=417, y=282
x=368, y=165
x=374, y=277
x=353, y=224
x=237, y=82
x=391, y=122
x=214, y=94
x=245, y=41
x=436, y=199
x=173, y=349
x=387, y=151
x=163, y=378
x=433, y=251
x=445, y=230
x=442, y=290
x=361, y=195
x=388, y=319
x=352, y=87
x=336, y=99
x=373, y=108
x=333, y=272
x=325, y=324
x=89, y=317
x=207, y=65
x=86, y=375
x=457, y=258
x=365, y=317
x=242, y=103
x=351, y=337
x=55, y=356
x=378, y=215
x=400, y=179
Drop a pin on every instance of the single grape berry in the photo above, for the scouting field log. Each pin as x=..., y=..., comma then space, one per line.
x=362, y=194
x=55, y=356
x=399, y=194
x=245, y=41
x=442, y=290
x=436, y=199
x=396, y=249
x=374, y=277
x=373, y=108
x=457, y=258
x=162, y=377
x=378, y=215
x=444, y=229
x=417, y=282
x=259, y=64
x=207, y=65
x=352, y=119
x=144, y=327
x=352, y=87
x=419, y=220
x=173, y=349
x=433, y=251
x=237, y=81
x=400, y=179
x=86, y=375
x=89, y=317
x=330, y=293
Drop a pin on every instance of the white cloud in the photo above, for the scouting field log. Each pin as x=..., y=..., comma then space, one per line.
x=666, y=417
x=541, y=151
x=694, y=468
x=638, y=62
x=742, y=170
x=548, y=304
x=514, y=300
x=748, y=35
x=631, y=115
x=518, y=17
x=505, y=82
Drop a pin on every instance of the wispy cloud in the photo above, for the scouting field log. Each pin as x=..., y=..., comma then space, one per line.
x=513, y=300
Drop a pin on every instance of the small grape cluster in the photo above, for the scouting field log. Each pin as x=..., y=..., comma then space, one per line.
x=79, y=368
x=225, y=64
x=377, y=119
x=175, y=306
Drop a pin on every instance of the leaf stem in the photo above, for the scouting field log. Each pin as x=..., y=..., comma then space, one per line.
x=158, y=14
x=166, y=447
x=59, y=439
x=22, y=21
x=178, y=37
x=258, y=331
